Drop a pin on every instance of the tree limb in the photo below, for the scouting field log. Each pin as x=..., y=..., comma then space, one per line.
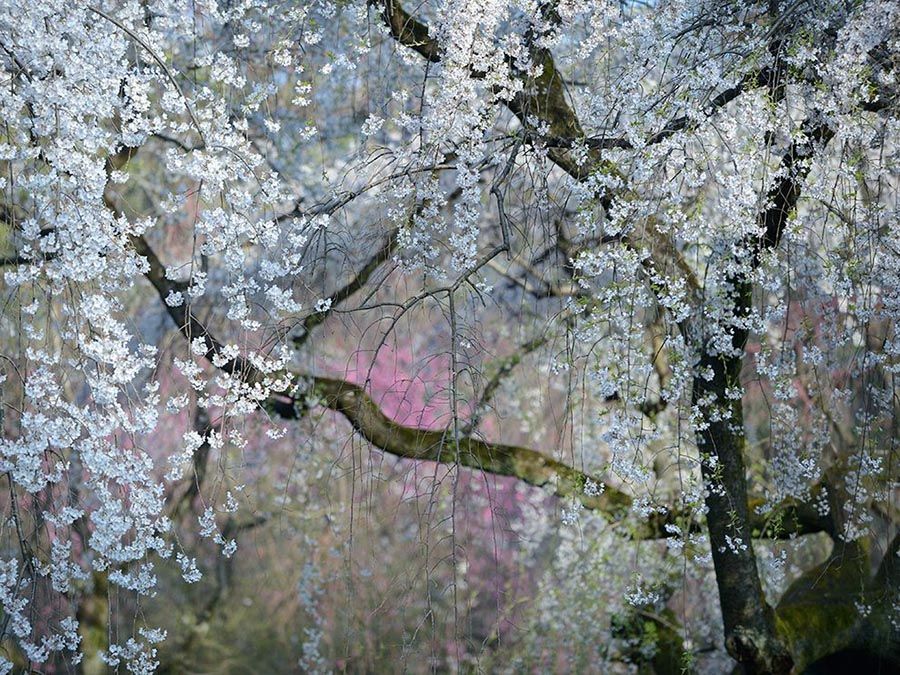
x=781, y=199
x=351, y=287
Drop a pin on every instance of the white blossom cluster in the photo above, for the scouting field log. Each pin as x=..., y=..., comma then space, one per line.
x=206, y=153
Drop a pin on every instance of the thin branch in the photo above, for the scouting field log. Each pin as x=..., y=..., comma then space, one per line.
x=194, y=481
x=350, y=288
x=547, y=291
x=501, y=370
x=134, y=36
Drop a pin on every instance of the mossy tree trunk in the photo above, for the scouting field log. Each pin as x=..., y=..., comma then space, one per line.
x=93, y=625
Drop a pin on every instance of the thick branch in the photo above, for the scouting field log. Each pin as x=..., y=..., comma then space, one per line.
x=751, y=634
x=408, y=31
x=782, y=197
x=672, y=127
x=187, y=323
x=525, y=464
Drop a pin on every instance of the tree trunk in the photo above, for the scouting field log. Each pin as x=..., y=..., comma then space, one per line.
x=750, y=634
x=93, y=625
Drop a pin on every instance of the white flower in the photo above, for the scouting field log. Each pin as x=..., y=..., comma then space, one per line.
x=593, y=488
x=174, y=299
x=372, y=125
x=199, y=346
x=189, y=570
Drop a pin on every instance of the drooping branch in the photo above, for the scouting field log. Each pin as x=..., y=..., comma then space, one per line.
x=656, y=333
x=178, y=503
x=539, y=289
x=161, y=63
x=669, y=129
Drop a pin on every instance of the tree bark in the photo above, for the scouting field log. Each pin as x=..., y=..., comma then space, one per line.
x=750, y=634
